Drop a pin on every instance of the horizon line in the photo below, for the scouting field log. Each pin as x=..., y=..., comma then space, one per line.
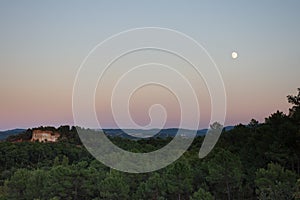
x=113, y=128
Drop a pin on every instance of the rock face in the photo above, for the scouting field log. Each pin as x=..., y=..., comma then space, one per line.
x=44, y=136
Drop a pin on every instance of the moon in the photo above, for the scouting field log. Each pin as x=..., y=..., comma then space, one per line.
x=234, y=55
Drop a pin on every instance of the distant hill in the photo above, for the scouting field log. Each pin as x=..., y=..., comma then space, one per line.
x=138, y=134
x=228, y=128
x=6, y=134
x=127, y=133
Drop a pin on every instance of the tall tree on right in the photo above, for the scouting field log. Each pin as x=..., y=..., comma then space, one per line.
x=295, y=110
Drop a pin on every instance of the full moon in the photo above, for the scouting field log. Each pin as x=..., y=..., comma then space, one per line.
x=234, y=55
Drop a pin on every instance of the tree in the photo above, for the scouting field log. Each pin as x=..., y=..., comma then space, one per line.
x=201, y=194
x=225, y=172
x=3, y=192
x=179, y=179
x=65, y=161
x=253, y=125
x=18, y=184
x=154, y=188
x=60, y=182
x=297, y=193
x=276, y=119
x=295, y=110
x=113, y=187
x=275, y=183
x=56, y=161
x=37, y=182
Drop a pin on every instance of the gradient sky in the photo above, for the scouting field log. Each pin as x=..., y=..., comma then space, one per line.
x=42, y=44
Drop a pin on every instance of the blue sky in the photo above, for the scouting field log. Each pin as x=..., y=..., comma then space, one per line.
x=42, y=44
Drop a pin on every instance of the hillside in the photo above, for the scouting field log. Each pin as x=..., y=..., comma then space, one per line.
x=6, y=134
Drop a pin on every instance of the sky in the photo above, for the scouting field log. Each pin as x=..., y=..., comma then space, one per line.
x=43, y=43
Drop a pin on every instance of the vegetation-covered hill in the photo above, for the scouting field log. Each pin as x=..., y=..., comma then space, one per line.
x=6, y=134
x=254, y=161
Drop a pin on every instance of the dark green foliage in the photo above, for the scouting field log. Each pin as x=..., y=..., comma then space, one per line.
x=225, y=173
x=114, y=187
x=275, y=183
x=17, y=185
x=201, y=194
x=154, y=188
x=178, y=177
x=297, y=193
